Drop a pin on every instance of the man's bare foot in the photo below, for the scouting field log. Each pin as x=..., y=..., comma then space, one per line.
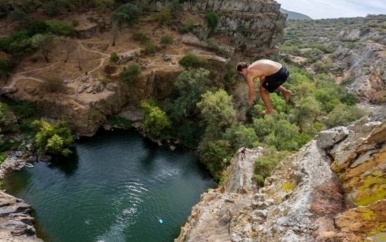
x=267, y=111
x=287, y=96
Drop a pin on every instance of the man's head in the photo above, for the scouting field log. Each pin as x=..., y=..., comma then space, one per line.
x=242, y=68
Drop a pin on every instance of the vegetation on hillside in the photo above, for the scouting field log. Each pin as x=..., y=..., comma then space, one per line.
x=200, y=112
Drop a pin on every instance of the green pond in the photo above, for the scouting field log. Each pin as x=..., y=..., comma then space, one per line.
x=117, y=187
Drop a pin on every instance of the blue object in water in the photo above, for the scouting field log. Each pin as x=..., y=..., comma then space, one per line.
x=160, y=220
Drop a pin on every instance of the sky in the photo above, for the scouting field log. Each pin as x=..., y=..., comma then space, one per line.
x=318, y=9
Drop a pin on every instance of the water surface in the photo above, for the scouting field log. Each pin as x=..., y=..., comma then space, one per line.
x=116, y=187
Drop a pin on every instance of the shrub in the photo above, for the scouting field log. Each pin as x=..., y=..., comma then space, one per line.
x=6, y=68
x=114, y=57
x=37, y=27
x=53, y=85
x=127, y=14
x=166, y=40
x=155, y=120
x=163, y=16
x=150, y=48
x=130, y=73
x=54, y=139
x=120, y=122
x=265, y=164
x=192, y=61
x=139, y=36
x=59, y=27
x=212, y=20
x=215, y=155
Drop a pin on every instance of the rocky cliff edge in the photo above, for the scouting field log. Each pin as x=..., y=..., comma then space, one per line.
x=333, y=189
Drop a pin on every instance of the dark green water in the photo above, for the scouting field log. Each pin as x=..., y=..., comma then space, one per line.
x=113, y=189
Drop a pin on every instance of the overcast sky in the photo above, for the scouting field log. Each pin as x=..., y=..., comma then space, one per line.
x=318, y=9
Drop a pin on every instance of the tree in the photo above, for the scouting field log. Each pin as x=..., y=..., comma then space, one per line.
x=6, y=67
x=217, y=112
x=155, y=120
x=44, y=42
x=126, y=14
x=69, y=46
x=53, y=139
x=212, y=20
x=190, y=85
x=163, y=16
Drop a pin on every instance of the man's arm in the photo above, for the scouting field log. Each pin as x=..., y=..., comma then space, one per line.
x=251, y=86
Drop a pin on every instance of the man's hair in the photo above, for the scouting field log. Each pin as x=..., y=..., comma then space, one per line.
x=241, y=65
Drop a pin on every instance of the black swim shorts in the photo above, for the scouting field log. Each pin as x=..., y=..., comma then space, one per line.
x=272, y=82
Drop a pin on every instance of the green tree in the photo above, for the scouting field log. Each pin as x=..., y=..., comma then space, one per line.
x=6, y=68
x=126, y=15
x=38, y=27
x=241, y=136
x=155, y=120
x=216, y=156
x=217, y=112
x=164, y=16
x=44, y=42
x=212, y=20
x=53, y=139
x=190, y=85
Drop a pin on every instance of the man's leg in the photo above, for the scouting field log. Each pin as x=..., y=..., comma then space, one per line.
x=265, y=96
x=286, y=93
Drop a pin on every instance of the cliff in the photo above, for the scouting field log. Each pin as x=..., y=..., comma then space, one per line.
x=304, y=199
x=81, y=85
x=16, y=222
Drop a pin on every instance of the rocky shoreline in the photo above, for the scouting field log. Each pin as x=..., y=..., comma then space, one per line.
x=16, y=223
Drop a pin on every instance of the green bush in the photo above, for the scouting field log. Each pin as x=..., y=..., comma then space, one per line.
x=265, y=164
x=139, y=36
x=53, y=139
x=59, y=27
x=37, y=27
x=155, y=120
x=130, y=73
x=2, y=158
x=216, y=156
x=164, y=16
x=212, y=20
x=150, y=48
x=192, y=61
x=120, y=122
x=6, y=68
x=114, y=57
x=166, y=40
x=126, y=15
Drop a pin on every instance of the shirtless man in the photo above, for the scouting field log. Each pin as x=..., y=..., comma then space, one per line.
x=271, y=74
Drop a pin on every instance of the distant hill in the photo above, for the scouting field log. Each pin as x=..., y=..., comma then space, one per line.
x=294, y=15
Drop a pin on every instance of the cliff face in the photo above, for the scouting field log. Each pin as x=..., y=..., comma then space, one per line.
x=255, y=27
x=81, y=85
x=304, y=199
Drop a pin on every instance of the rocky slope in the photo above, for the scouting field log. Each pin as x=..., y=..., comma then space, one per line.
x=304, y=199
x=351, y=49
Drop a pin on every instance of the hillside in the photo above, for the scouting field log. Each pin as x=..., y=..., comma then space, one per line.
x=294, y=15
x=351, y=50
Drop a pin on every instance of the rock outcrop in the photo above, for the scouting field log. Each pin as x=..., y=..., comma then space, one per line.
x=253, y=27
x=16, y=223
x=304, y=199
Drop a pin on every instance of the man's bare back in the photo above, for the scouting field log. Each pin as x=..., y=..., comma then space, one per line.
x=263, y=68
